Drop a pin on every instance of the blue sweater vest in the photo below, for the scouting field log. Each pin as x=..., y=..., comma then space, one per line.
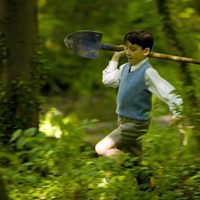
x=134, y=99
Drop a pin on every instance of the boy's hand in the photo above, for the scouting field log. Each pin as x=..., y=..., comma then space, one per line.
x=117, y=55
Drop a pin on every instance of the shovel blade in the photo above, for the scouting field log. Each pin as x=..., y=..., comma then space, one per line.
x=84, y=43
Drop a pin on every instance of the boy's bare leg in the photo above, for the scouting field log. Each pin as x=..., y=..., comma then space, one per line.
x=106, y=147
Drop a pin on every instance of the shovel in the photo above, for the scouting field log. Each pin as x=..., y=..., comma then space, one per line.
x=87, y=44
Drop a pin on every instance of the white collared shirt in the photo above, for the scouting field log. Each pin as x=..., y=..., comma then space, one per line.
x=154, y=82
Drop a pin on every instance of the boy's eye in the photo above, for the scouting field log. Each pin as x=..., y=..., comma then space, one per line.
x=131, y=49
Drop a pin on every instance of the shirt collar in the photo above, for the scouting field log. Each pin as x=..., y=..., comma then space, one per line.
x=134, y=67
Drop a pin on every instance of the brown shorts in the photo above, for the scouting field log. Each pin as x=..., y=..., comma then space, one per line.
x=127, y=136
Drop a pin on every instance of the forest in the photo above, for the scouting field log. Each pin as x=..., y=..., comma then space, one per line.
x=54, y=107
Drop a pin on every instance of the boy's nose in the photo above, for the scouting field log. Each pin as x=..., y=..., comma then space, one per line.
x=128, y=53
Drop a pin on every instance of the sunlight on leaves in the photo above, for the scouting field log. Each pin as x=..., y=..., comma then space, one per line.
x=42, y=3
x=188, y=12
x=54, y=124
x=48, y=126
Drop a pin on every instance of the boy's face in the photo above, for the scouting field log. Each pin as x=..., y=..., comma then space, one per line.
x=135, y=53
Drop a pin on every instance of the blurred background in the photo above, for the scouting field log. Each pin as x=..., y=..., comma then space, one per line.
x=74, y=84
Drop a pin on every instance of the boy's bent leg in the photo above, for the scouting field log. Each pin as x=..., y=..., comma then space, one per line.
x=106, y=147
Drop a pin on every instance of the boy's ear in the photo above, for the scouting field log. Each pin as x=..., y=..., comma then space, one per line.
x=146, y=51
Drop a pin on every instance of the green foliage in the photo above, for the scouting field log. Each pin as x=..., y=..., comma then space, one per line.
x=67, y=168
x=31, y=166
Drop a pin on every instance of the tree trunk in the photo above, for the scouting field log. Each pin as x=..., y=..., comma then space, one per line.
x=3, y=192
x=19, y=100
x=185, y=72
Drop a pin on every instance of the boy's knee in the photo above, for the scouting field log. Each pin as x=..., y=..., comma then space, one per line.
x=99, y=149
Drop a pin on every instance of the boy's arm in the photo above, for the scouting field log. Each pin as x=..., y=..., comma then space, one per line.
x=112, y=75
x=165, y=92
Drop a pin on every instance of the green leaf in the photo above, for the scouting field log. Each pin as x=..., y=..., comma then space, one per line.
x=9, y=156
x=16, y=135
x=21, y=142
x=32, y=178
x=30, y=132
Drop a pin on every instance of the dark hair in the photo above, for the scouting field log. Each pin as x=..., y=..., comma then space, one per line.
x=139, y=37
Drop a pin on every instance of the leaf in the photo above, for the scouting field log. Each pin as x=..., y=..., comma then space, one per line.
x=30, y=132
x=33, y=178
x=13, y=158
x=16, y=135
x=21, y=142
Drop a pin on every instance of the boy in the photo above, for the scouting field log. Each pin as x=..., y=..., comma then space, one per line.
x=137, y=81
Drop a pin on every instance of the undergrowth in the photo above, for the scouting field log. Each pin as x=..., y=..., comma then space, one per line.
x=57, y=163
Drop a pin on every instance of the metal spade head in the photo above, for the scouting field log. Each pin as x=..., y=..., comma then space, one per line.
x=84, y=43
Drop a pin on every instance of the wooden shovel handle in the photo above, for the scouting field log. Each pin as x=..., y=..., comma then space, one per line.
x=173, y=57
x=111, y=47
